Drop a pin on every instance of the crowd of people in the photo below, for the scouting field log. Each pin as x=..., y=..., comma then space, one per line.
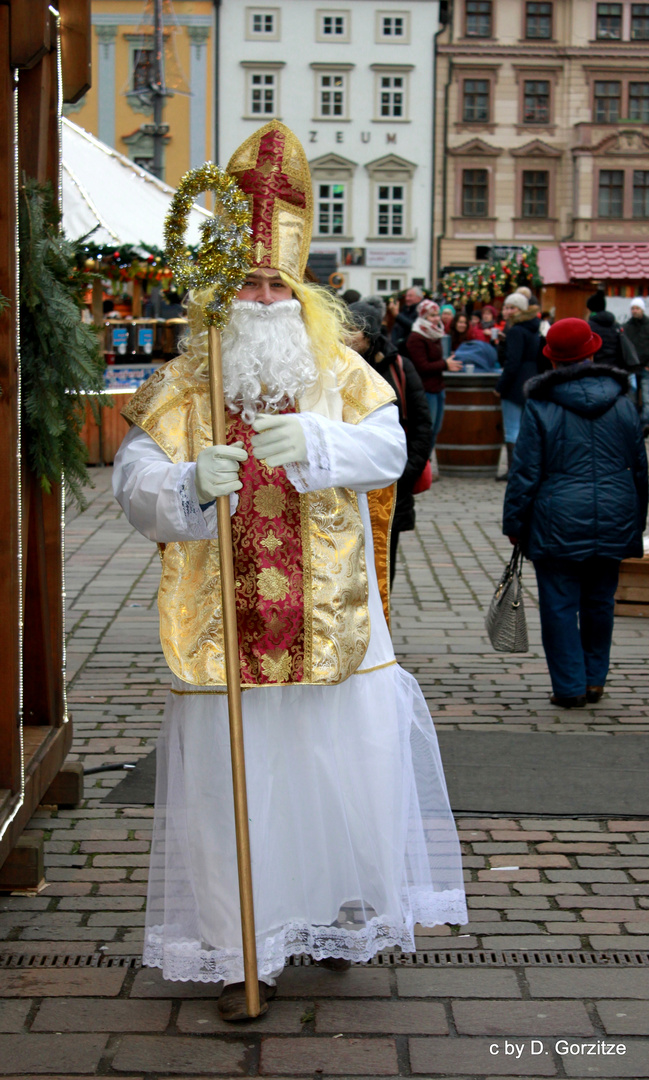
x=575, y=412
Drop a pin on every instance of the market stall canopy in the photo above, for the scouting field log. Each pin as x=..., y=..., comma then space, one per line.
x=103, y=188
x=594, y=262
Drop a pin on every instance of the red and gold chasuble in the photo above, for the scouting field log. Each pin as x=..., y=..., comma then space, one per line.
x=300, y=574
x=268, y=570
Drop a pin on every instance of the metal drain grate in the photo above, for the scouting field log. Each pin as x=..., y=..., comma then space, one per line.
x=466, y=958
x=55, y=960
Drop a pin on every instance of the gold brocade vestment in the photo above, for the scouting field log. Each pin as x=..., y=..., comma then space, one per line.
x=302, y=590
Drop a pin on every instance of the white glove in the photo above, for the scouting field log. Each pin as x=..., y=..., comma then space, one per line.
x=280, y=440
x=217, y=471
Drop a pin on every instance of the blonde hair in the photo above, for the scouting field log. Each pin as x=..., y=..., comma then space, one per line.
x=325, y=316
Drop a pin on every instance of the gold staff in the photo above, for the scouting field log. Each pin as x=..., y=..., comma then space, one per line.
x=223, y=261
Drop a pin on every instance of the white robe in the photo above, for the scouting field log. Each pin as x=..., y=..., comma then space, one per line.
x=346, y=794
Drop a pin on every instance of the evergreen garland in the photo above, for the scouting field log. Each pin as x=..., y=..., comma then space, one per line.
x=60, y=355
x=486, y=281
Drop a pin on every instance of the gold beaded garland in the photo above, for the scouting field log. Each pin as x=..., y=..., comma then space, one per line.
x=224, y=254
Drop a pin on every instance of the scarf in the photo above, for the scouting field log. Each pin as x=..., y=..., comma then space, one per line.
x=427, y=330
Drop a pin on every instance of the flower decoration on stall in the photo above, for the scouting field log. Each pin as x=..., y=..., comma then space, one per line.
x=126, y=263
x=498, y=277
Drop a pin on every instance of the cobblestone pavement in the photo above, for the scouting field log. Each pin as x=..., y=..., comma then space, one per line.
x=580, y=885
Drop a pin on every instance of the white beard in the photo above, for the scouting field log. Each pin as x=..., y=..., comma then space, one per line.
x=268, y=362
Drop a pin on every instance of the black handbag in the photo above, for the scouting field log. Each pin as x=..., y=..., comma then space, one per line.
x=505, y=622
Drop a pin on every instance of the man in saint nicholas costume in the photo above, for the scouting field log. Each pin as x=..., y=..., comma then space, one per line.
x=346, y=795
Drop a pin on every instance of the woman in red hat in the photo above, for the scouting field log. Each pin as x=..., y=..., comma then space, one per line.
x=577, y=501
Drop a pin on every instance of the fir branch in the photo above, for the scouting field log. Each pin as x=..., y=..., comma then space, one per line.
x=60, y=355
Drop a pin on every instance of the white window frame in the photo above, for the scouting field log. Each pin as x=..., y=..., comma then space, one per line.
x=329, y=199
x=390, y=278
x=391, y=171
x=392, y=39
x=263, y=35
x=252, y=71
x=391, y=201
x=333, y=13
x=391, y=71
x=331, y=71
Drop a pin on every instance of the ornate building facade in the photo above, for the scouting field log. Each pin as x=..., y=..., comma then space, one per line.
x=542, y=126
x=118, y=108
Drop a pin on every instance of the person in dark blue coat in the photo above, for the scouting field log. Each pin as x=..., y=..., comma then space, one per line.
x=577, y=502
x=518, y=354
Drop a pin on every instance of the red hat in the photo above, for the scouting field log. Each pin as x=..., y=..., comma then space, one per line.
x=570, y=340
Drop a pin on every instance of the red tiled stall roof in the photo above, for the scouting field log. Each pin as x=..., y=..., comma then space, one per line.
x=610, y=262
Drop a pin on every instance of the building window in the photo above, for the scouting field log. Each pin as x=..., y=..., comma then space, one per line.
x=475, y=190
x=331, y=95
x=142, y=75
x=332, y=25
x=536, y=101
x=478, y=18
x=388, y=285
x=392, y=100
x=392, y=26
x=263, y=93
x=475, y=104
x=331, y=209
x=607, y=102
x=609, y=22
x=640, y=193
x=536, y=189
x=639, y=101
x=538, y=20
x=611, y=193
x=390, y=210
x=262, y=22
x=639, y=22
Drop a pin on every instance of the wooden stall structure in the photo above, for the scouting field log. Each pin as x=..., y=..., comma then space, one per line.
x=573, y=271
x=44, y=58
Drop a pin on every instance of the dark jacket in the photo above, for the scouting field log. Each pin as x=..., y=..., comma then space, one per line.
x=418, y=427
x=578, y=481
x=604, y=324
x=427, y=358
x=402, y=327
x=519, y=356
x=637, y=331
x=617, y=350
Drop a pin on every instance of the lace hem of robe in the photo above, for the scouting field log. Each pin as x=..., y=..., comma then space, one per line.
x=186, y=960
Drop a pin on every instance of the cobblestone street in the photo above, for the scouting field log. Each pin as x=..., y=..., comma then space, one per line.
x=73, y=999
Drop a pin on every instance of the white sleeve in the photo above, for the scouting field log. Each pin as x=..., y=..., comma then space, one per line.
x=364, y=456
x=159, y=497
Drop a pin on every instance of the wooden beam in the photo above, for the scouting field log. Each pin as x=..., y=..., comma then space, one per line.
x=10, y=584
x=40, y=771
x=24, y=868
x=67, y=788
x=76, y=48
x=30, y=33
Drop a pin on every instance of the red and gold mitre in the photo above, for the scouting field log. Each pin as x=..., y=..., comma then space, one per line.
x=271, y=168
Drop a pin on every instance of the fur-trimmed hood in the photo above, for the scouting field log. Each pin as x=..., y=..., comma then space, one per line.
x=533, y=312
x=586, y=388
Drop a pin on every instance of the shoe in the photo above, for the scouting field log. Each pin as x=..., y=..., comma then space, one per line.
x=594, y=694
x=503, y=478
x=568, y=702
x=334, y=963
x=232, y=1002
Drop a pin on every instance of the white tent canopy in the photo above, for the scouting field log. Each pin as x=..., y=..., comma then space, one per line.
x=104, y=188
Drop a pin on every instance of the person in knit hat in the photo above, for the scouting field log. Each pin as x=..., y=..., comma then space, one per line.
x=518, y=354
x=636, y=330
x=577, y=503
